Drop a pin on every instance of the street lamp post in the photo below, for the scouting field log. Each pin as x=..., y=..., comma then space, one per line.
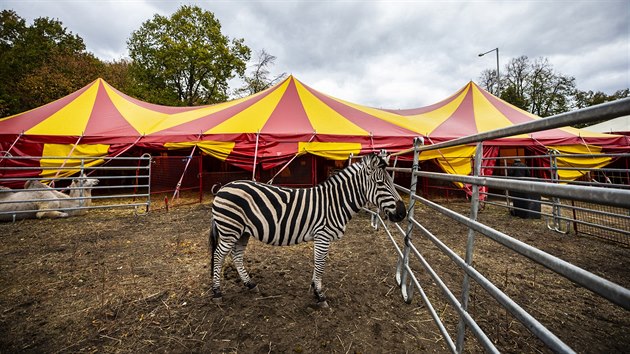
x=498, y=76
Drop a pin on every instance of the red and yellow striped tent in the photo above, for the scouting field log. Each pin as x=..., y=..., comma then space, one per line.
x=474, y=110
x=268, y=128
x=271, y=127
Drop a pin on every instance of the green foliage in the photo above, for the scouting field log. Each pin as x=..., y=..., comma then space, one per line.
x=589, y=98
x=116, y=73
x=510, y=94
x=40, y=63
x=185, y=59
x=533, y=85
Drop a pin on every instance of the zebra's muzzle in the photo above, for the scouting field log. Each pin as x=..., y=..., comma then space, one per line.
x=399, y=214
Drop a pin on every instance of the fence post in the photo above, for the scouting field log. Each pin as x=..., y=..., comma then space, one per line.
x=507, y=192
x=81, y=191
x=555, y=223
x=406, y=289
x=474, y=209
x=150, y=163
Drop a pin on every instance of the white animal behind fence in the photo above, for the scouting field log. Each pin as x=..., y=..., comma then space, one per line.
x=45, y=202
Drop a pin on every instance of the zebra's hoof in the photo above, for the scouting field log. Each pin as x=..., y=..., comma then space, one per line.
x=254, y=289
x=217, y=296
x=322, y=304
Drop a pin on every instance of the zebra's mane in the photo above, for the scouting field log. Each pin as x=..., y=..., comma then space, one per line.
x=339, y=175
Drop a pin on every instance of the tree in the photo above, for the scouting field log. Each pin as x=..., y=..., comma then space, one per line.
x=549, y=92
x=259, y=79
x=535, y=86
x=585, y=99
x=515, y=82
x=489, y=81
x=40, y=63
x=589, y=98
x=58, y=76
x=117, y=74
x=185, y=59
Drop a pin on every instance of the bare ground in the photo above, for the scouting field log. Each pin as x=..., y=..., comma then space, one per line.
x=115, y=282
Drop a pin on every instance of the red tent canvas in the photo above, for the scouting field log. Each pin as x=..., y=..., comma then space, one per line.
x=474, y=110
x=268, y=128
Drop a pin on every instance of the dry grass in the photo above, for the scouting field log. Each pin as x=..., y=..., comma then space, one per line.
x=114, y=282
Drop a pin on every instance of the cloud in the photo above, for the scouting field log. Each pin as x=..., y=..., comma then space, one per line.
x=391, y=54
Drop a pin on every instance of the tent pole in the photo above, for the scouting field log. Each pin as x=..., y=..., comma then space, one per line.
x=8, y=152
x=181, y=179
x=255, y=156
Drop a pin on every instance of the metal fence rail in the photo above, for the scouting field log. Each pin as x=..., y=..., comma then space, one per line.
x=407, y=276
x=123, y=182
x=566, y=215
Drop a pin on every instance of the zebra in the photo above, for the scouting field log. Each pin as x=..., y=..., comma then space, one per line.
x=287, y=216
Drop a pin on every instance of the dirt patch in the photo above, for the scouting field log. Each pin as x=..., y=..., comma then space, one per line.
x=114, y=282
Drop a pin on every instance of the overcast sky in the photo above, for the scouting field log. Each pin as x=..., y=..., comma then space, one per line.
x=388, y=54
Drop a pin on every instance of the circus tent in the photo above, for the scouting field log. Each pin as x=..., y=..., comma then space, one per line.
x=272, y=127
x=268, y=128
x=474, y=110
x=619, y=125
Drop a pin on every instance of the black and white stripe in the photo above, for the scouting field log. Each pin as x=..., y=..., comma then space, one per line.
x=286, y=216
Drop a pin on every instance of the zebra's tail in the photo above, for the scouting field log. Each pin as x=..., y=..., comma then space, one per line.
x=213, y=241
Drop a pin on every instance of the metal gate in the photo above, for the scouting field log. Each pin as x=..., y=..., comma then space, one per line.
x=123, y=182
x=567, y=215
x=407, y=274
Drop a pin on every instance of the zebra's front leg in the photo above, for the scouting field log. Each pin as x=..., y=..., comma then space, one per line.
x=237, y=256
x=321, y=252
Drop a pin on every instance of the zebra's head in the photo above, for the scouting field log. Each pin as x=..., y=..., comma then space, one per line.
x=380, y=188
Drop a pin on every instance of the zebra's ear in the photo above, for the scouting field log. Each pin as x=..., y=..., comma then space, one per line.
x=385, y=159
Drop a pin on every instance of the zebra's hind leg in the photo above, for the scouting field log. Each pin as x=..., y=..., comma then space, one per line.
x=223, y=249
x=237, y=256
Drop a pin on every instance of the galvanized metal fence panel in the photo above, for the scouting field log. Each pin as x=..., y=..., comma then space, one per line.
x=570, y=215
x=124, y=182
x=407, y=275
